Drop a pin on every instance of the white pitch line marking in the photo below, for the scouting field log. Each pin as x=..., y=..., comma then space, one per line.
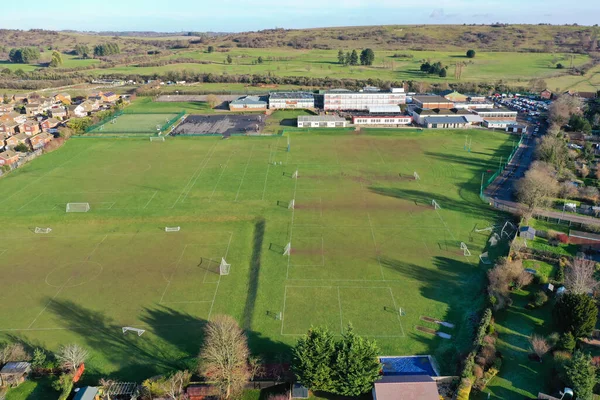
x=244, y=174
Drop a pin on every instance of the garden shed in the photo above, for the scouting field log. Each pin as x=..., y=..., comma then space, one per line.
x=14, y=373
x=527, y=232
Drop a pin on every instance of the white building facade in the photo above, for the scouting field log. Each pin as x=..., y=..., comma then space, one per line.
x=291, y=100
x=321, y=121
x=347, y=100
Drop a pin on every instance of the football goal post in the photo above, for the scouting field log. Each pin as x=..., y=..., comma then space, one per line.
x=417, y=177
x=287, y=250
x=43, y=230
x=224, y=268
x=157, y=138
x=78, y=207
x=292, y=205
x=435, y=205
x=485, y=258
x=172, y=228
x=295, y=176
x=465, y=249
x=401, y=312
x=139, y=332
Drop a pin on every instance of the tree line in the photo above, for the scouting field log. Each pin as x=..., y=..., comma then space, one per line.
x=106, y=49
x=367, y=56
x=24, y=55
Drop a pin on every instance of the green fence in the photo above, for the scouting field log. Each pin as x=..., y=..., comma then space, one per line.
x=112, y=115
x=501, y=168
x=172, y=121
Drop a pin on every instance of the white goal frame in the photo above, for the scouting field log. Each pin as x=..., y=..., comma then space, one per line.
x=288, y=249
x=78, y=207
x=435, y=205
x=43, y=230
x=157, y=138
x=465, y=249
x=172, y=228
x=224, y=268
x=417, y=177
x=139, y=332
x=295, y=175
x=292, y=205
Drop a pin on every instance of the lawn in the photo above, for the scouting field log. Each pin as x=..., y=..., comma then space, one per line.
x=38, y=389
x=365, y=242
x=146, y=105
x=136, y=123
x=283, y=119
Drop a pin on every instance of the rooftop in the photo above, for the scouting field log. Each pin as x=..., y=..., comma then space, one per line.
x=17, y=367
x=407, y=387
x=292, y=95
x=498, y=110
x=445, y=120
x=431, y=98
x=320, y=118
x=249, y=100
x=86, y=393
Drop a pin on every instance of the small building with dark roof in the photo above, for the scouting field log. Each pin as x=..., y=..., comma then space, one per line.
x=86, y=393
x=14, y=373
x=527, y=232
x=445, y=122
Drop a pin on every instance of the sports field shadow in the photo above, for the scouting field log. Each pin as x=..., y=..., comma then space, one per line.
x=254, y=272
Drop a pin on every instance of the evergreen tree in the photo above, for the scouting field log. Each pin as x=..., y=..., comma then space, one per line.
x=576, y=313
x=229, y=60
x=443, y=72
x=581, y=375
x=356, y=366
x=354, y=58
x=341, y=57
x=348, y=58
x=313, y=358
x=471, y=54
x=211, y=49
x=425, y=67
x=259, y=60
x=566, y=342
x=367, y=56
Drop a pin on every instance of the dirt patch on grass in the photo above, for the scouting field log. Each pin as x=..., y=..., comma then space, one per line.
x=426, y=330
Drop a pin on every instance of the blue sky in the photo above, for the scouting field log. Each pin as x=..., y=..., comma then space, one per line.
x=244, y=15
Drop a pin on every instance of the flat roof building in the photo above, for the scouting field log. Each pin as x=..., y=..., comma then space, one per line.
x=321, y=121
x=432, y=101
x=342, y=99
x=291, y=100
x=248, y=103
x=503, y=114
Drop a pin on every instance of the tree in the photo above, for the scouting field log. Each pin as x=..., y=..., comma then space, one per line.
x=538, y=186
x=24, y=55
x=559, y=66
x=341, y=57
x=539, y=346
x=82, y=50
x=425, y=67
x=63, y=384
x=39, y=358
x=71, y=356
x=312, y=360
x=356, y=366
x=501, y=278
x=259, y=60
x=563, y=107
x=22, y=148
x=56, y=59
x=578, y=123
x=211, y=49
x=470, y=53
x=575, y=313
x=223, y=360
x=213, y=100
x=553, y=149
x=367, y=56
x=12, y=352
x=354, y=58
x=443, y=73
x=566, y=342
x=579, y=276
x=581, y=375
x=229, y=60
x=174, y=385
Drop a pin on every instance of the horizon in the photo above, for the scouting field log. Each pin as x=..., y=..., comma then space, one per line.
x=232, y=16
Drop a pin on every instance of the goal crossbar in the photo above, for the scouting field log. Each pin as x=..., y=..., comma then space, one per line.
x=465, y=249
x=157, y=138
x=417, y=177
x=295, y=175
x=172, y=228
x=435, y=205
x=139, y=332
x=224, y=268
x=78, y=207
x=292, y=205
x=288, y=249
x=43, y=230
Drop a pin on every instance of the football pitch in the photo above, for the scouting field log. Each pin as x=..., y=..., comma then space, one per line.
x=367, y=246
x=135, y=123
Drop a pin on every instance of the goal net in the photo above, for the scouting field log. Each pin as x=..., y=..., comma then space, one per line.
x=485, y=258
x=287, y=250
x=157, y=138
x=494, y=239
x=172, y=228
x=295, y=176
x=43, y=230
x=78, y=207
x=465, y=249
x=435, y=205
x=417, y=177
x=292, y=205
x=224, y=268
x=139, y=332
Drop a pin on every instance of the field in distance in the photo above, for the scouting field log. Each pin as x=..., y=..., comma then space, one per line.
x=365, y=242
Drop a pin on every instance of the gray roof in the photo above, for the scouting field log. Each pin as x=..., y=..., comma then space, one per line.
x=501, y=121
x=249, y=100
x=473, y=118
x=16, y=367
x=299, y=391
x=431, y=98
x=292, y=95
x=445, y=120
x=502, y=110
x=86, y=393
x=320, y=118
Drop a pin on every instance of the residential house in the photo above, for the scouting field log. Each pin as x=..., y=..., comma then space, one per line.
x=109, y=97
x=432, y=101
x=6, y=108
x=14, y=116
x=30, y=128
x=64, y=98
x=9, y=128
x=248, y=103
x=49, y=124
x=342, y=99
x=546, y=95
x=291, y=100
x=34, y=98
x=321, y=121
x=3, y=137
x=14, y=373
x=40, y=140
x=32, y=109
x=90, y=105
x=78, y=111
x=58, y=112
x=405, y=387
x=16, y=140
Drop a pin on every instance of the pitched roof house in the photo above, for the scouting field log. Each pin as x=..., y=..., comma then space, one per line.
x=406, y=387
x=14, y=373
x=40, y=140
x=15, y=140
x=30, y=128
x=49, y=123
x=14, y=116
x=109, y=97
x=58, y=112
x=6, y=108
x=9, y=128
x=77, y=111
x=64, y=98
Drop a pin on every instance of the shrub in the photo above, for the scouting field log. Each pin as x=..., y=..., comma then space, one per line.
x=559, y=66
x=468, y=366
x=538, y=299
x=483, y=326
x=489, y=340
x=464, y=389
x=566, y=342
x=471, y=54
x=22, y=148
x=478, y=371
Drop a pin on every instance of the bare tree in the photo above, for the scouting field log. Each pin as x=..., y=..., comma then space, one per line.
x=71, y=356
x=523, y=279
x=539, y=346
x=255, y=367
x=213, y=100
x=13, y=352
x=176, y=383
x=579, y=276
x=538, y=186
x=501, y=277
x=562, y=108
x=223, y=359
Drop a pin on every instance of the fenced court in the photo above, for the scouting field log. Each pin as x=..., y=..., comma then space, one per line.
x=137, y=123
x=366, y=246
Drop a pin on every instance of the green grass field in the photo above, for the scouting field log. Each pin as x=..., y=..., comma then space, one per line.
x=365, y=242
x=135, y=123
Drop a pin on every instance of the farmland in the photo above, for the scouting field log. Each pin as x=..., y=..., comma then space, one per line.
x=365, y=242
